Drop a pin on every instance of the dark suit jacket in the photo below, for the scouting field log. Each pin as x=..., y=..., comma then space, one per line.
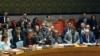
x=80, y=31
x=44, y=32
x=33, y=41
x=91, y=39
x=2, y=19
x=81, y=20
x=93, y=23
x=16, y=39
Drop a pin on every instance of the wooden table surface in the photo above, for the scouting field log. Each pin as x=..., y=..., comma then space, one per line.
x=68, y=51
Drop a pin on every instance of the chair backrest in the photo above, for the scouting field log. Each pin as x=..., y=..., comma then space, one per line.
x=14, y=22
x=19, y=44
x=58, y=26
x=73, y=21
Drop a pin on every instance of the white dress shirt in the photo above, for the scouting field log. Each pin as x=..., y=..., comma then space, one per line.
x=4, y=46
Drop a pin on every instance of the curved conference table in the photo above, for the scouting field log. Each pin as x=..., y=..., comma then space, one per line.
x=68, y=51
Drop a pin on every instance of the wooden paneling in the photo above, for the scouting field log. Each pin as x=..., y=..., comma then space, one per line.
x=69, y=51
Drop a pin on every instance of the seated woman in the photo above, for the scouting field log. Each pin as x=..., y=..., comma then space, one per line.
x=4, y=45
x=38, y=35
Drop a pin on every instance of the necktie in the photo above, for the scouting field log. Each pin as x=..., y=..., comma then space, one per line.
x=87, y=38
x=72, y=37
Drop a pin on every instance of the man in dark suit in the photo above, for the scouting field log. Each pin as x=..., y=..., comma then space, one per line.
x=44, y=31
x=55, y=38
x=87, y=37
x=30, y=39
x=84, y=19
x=24, y=18
x=81, y=29
x=18, y=36
x=4, y=17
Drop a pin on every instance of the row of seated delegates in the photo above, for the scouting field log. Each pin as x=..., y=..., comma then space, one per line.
x=67, y=33
x=32, y=39
x=24, y=21
x=27, y=25
x=73, y=37
x=35, y=37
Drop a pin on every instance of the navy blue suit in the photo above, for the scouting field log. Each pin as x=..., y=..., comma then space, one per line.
x=83, y=39
x=2, y=19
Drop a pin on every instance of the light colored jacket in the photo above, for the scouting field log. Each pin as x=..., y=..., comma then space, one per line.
x=68, y=37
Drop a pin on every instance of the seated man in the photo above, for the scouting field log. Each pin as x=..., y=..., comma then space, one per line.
x=44, y=30
x=30, y=40
x=71, y=37
x=87, y=37
x=55, y=38
x=67, y=29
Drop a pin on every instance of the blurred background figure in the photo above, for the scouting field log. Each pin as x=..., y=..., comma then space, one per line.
x=23, y=21
x=81, y=29
x=34, y=22
x=48, y=21
x=93, y=25
x=4, y=17
x=84, y=20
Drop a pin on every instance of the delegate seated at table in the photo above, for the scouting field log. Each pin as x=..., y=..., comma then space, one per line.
x=87, y=37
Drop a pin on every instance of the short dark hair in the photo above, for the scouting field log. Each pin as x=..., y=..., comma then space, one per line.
x=47, y=16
